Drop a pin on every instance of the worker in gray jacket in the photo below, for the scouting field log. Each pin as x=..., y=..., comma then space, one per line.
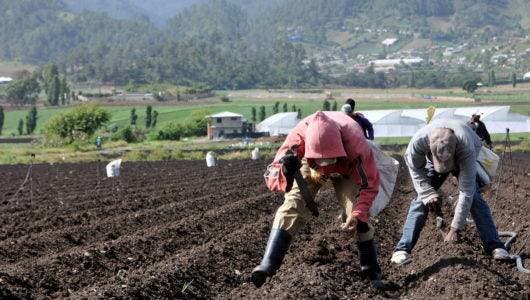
x=440, y=148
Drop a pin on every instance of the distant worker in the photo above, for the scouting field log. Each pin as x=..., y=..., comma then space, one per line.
x=349, y=109
x=440, y=148
x=480, y=129
x=98, y=142
x=325, y=146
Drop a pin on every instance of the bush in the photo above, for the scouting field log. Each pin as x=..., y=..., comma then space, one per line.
x=172, y=131
x=129, y=134
x=225, y=99
x=78, y=123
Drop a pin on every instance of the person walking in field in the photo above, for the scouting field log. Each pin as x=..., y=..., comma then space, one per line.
x=480, y=129
x=326, y=146
x=366, y=125
x=440, y=148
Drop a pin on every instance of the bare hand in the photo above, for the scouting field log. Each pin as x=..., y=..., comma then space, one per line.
x=350, y=225
x=433, y=204
x=452, y=236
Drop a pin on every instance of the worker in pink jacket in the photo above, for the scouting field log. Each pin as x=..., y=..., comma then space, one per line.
x=324, y=146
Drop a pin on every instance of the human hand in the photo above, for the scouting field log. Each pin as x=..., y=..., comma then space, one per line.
x=350, y=225
x=452, y=236
x=434, y=205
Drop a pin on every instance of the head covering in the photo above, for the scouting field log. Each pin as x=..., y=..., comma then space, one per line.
x=442, y=143
x=346, y=108
x=323, y=138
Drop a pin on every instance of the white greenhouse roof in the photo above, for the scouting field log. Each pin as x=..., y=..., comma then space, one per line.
x=406, y=122
x=280, y=123
x=225, y=114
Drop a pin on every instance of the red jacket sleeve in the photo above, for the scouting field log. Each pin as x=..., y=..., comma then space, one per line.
x=274, y=177
x=365, y=173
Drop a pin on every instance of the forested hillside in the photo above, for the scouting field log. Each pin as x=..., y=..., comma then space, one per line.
x=258, y=43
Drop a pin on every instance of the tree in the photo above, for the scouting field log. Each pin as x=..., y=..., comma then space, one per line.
x=470, y=86
x=254, y=114
x=155, y=117
x=285, y=108
x=23, y=91
x=514, y=80
x=299, y=116
x=1, y=119
x=65, y=91
x=134, y=117
x=326, y=105
x=276, y=108
x=52, y=84
x=20, y=127
x=31, y=120
x=148, y=116
x=262, y=113
x=78, y=123
x=334, y=106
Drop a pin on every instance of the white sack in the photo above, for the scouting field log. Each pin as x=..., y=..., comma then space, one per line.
x=113, y=168
x=388, y=171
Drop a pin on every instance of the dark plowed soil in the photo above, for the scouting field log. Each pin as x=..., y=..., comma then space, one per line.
x=181, y=230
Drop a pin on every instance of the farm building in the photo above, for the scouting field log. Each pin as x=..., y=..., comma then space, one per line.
x=225, y=124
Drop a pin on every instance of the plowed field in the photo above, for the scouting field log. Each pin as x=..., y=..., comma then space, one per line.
x=180, y=230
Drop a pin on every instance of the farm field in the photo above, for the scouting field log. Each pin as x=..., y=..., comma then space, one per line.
x=177, y=229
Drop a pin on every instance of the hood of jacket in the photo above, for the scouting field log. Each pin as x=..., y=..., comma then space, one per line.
x=323, y=138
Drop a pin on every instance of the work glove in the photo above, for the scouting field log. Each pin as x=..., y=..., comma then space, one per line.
x=290, y=165
x=350, y=225
x=452, y=236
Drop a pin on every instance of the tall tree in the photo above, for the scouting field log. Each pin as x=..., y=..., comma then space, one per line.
x=326, y=105
x=293, y=108
x=23, y=91
x=262, y=113
x=31, y=120
x=52, y=84
x=65, y=91
x=276, y=108
x=1, y=119
x=514, y=80
x=285, y=108
x=148, y=116
x=134, y=117
x=20, y=127
x=253, y=114
x=299, y=116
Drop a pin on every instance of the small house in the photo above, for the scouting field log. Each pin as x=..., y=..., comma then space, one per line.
x=225, y=124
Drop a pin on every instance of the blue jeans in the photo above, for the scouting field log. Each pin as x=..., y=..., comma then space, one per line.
x=480, y=212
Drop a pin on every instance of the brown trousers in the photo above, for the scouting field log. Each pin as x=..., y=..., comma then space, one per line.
x=293, y=215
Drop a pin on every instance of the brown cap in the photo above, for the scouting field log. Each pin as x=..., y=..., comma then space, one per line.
x=442, y=142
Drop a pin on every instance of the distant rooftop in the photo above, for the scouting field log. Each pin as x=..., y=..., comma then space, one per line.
x=226, y=114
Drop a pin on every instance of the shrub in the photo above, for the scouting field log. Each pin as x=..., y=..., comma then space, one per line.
x=172, y=131
x=129, y=134
x=225, y=99
x=78, y=123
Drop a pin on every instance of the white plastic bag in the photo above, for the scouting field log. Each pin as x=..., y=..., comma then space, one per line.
x=255, y=154
x=113, y=168
x=388, y=170
x=211, y=159
x=488, y=160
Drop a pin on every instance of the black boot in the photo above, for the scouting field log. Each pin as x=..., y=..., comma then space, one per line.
x=369, y=265
x=279, y=241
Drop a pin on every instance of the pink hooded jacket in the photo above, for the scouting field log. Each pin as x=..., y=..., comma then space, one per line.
x=330, y=135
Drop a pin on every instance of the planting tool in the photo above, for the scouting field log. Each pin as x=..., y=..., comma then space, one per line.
x=306, y=194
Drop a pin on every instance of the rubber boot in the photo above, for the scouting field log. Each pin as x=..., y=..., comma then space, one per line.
x=279, y=241
x=369, y=265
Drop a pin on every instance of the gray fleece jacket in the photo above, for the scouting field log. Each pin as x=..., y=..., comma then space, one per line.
x=467, y=149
